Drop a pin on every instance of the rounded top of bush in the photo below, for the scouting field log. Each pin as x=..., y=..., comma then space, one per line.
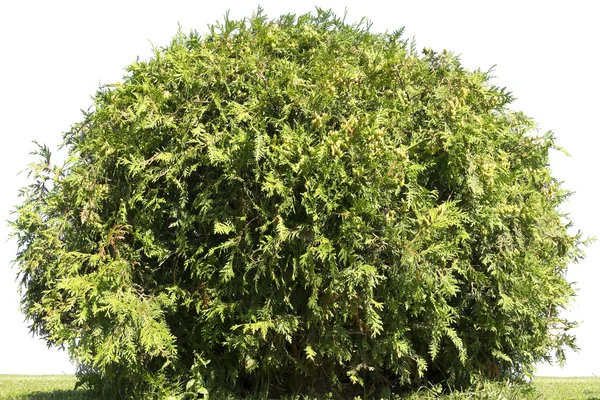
x=297, y=205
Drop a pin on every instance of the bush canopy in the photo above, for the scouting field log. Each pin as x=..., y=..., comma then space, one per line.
x=297, y=206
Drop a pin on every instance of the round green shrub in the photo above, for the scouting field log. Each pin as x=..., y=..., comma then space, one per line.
x=297, y=206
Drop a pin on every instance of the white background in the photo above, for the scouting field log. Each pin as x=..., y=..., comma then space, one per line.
x=55, y=54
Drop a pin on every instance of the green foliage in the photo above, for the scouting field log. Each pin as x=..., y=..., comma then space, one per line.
x=297, y=206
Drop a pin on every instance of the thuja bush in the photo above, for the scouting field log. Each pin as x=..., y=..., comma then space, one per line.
x=297, y=206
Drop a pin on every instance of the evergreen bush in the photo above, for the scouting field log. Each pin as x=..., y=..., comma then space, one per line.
x=297, y=206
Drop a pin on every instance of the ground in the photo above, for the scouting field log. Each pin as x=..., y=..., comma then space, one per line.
x=568, y=388
x=61, y=387
x=39, y=387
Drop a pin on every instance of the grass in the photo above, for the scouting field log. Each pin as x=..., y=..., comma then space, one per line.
x=61, y=387
x=39, y=387
x=568, y=388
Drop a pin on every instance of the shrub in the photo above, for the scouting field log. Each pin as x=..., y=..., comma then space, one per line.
x=297, y=206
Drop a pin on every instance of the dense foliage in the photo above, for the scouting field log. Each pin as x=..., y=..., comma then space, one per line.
x=297, y=206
